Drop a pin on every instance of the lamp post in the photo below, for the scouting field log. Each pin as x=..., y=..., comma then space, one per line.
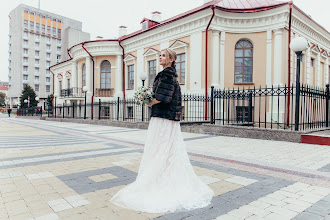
x=85, y=89
x=298, y=45
x=55, y=96
x=143, y=76
x=37, y=99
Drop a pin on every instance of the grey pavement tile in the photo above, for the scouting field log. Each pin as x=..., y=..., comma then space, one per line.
x=81, y=182
x=325, y=168
x=308, y=216
x=68, y=159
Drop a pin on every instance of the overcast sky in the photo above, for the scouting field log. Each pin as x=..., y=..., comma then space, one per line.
x=103, y=17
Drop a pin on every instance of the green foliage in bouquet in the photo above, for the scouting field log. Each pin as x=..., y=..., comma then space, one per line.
x=143, y=95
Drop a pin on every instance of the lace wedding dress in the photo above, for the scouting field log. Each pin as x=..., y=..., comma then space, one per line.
x=166, y=180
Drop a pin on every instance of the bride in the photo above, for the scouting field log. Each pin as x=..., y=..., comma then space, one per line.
x=166, y=180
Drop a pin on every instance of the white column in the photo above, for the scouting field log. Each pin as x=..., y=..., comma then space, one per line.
x=157, y=63
x=56, y=85
x=326, y=71
x=269, y=59
x=89, y=75
x=74, y=76
x=318, y=70
x=196, y=61
x=119, y=77
x=222, y=60
x=308, y=66
x=139, y=66
x=186, y=69
x=278, y=57
x=215, y=61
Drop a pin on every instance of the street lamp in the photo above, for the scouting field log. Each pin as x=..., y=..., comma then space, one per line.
x=143, y=76
x=55, y=96
x=85, y=89
x=298, y=45
x=37, y=99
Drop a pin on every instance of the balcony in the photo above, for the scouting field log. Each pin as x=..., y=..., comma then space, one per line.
x=48, y=59
x=26, y=46
x=25, y=81
x=25, y=37
x=105, y=92
x=72, y=92
x=37, y=39
x=37, y=65
x=36, y=82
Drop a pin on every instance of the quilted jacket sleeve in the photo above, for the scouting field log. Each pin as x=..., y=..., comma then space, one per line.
x=165, y=89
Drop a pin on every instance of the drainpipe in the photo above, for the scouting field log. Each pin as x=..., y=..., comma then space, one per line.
x=119, y=41
x=93, y=78
x=289, y=64
x=53, y=82
x=206, y=43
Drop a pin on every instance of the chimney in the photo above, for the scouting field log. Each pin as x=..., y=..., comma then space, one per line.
x=156, y=16
x=122, y=31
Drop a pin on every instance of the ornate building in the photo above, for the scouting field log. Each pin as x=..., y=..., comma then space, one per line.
x=227, y=44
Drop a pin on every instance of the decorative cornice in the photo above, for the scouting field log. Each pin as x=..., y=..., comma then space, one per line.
x=178, y=44
x=150, y=52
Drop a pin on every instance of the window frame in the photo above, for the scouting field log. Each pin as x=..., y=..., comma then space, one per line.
x=107, y=75
x=243, y=57
x=130, y=76
x=181, y=63
x=152, y=68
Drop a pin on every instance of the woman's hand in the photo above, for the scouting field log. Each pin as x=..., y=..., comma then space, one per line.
x=153, y=102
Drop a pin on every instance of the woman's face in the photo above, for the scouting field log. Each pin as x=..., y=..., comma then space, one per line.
x=164, y=60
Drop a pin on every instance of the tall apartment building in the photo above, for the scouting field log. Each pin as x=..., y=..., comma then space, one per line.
x=37, y=40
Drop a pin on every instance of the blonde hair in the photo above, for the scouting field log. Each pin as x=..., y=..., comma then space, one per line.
x=170, y=54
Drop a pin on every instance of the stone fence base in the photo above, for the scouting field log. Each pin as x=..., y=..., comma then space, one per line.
x=200, y=128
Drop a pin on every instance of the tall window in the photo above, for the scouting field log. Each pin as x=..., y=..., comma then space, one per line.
x=32, y=25
x=151, y=71
x=84, y=75
x=60, y=85
x=130, y=76
x=243, y=61
x=47, y=88
x=36, y=88
x=25, y=23
x=43, y=28
x=181, y=67
x=68, y=84
x=105, y=75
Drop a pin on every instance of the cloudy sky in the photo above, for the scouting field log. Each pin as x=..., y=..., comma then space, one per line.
x=103, y=17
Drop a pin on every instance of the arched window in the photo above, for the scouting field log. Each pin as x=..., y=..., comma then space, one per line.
x=243, y=61
x=105, y=75
x=84, y=75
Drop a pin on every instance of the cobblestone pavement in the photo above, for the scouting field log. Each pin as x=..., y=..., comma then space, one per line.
x=52, y=170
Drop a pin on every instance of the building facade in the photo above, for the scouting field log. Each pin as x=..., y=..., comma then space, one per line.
x=37, y=40
x=239, y=44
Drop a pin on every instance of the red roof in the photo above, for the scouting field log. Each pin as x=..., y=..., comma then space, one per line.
x=247, y=4
x=3, y=88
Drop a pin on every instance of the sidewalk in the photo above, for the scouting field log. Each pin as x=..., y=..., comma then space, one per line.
x=54, y=170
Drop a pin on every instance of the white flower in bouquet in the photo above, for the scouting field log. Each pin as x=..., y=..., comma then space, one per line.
x=143, y=95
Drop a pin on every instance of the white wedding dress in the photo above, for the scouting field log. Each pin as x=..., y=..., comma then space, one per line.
x=166, y=180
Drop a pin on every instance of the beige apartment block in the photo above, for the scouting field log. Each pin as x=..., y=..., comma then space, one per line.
x=37, y=40
x=247, y=45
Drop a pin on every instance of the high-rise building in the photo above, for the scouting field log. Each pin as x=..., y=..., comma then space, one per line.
x=37, y=40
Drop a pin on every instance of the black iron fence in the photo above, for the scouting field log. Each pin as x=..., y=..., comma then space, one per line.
x=32, y=111
x=273, y=108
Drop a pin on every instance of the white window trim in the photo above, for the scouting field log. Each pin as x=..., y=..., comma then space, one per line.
x=178, y=45
x=148, y=53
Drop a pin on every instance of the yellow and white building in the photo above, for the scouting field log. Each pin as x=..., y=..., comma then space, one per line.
x=227, y=44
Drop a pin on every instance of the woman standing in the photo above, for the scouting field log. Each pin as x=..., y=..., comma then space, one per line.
x=166, y=180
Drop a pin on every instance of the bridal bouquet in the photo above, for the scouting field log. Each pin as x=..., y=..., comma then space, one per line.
x=143, y=95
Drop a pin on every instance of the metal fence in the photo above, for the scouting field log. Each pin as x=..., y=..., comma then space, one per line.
x=32, y=111
x=273, y=108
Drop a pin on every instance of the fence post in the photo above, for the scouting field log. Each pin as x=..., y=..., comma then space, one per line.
x=41, y=111
x=99, y=109
x=297, y=91
x=250, y=107
x=212, y=105
x=327, y=106
x=63, y=109
x=72, y=109
x=118, y=109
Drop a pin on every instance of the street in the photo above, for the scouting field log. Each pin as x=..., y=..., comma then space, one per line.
x=56, y=170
